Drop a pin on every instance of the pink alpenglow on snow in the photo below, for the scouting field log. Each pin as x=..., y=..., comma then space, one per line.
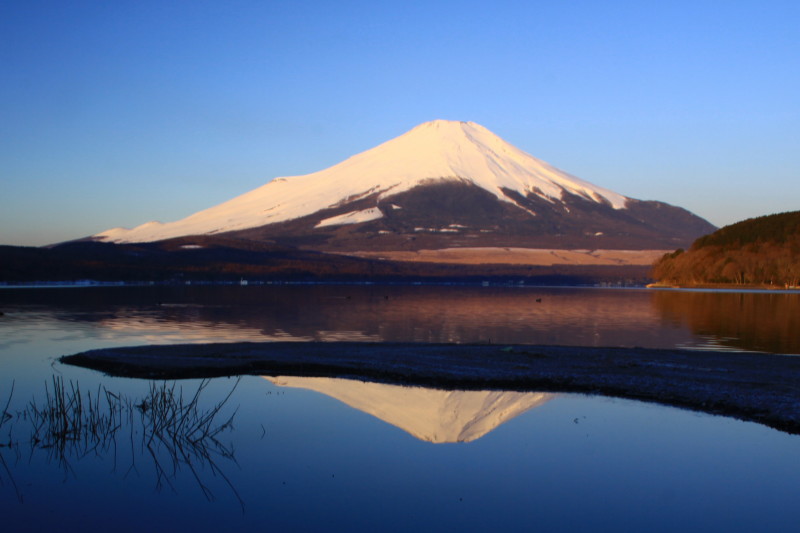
x=440, y=150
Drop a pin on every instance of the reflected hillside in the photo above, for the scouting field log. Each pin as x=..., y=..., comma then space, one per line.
x=360, y=313
x=767, y=322
x=431, y=415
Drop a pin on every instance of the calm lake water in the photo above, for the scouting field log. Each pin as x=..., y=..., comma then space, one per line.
x=314, y=454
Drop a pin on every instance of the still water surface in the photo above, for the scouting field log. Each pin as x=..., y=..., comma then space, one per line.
x=313, y=454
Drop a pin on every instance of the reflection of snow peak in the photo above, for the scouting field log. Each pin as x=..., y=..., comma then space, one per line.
x=354, y=217
x=431, y=415
x=431, y=152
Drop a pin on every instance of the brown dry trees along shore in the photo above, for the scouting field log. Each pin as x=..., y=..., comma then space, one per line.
x=763, y=251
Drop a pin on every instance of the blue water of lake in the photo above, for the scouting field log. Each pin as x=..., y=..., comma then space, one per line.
x=83, y=451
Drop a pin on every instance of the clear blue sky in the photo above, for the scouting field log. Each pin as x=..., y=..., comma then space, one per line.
x=117, y=113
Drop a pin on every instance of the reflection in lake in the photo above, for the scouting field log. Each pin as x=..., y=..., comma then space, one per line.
x=559, y=316
x=567, y=316
x=167, y=433
x=757, y=321
x=303, y=461
x=431, y=415
x=164, y=431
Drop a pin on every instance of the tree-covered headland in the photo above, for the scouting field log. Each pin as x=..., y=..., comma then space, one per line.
x=763, y=251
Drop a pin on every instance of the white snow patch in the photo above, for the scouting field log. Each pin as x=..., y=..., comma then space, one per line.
x=353, y=217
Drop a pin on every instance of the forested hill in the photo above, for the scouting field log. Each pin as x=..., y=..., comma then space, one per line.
x=758, y=251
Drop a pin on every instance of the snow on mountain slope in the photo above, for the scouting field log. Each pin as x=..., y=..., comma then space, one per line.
x=353, y=217
x=432, y=151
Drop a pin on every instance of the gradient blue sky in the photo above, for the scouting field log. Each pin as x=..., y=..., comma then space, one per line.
x=117, y=113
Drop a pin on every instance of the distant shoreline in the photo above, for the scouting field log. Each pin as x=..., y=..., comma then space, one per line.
x=434, y=282
x=724, y=286
x=215, y=259
x=763, y=388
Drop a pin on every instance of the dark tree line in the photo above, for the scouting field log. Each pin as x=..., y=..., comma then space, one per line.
x=217, y=259
x=760, y=251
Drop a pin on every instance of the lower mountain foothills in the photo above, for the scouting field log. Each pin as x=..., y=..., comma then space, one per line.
x=223, y=260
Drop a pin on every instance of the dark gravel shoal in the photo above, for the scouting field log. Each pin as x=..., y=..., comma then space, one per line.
x=758, y=387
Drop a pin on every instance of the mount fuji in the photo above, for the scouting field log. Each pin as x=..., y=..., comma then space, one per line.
x=444, y=184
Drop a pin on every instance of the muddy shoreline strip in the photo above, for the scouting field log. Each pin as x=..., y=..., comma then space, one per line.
x=763, y=388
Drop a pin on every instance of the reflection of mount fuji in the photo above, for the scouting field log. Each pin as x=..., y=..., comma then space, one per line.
x=431, y=415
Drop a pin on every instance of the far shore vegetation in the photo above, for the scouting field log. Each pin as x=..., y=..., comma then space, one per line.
x=759, y=252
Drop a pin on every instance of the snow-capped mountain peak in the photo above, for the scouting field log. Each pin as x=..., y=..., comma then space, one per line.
x=439, y=150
